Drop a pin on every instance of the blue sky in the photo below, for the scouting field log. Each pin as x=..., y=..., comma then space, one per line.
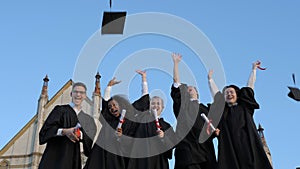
x=46, y=37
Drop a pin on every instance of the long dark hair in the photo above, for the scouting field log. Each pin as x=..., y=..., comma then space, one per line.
x=123, y=104
x=237, y=89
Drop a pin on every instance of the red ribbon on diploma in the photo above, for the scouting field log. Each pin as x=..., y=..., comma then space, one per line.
x=77, y=130
x=258, y=62
x=122, y=121
x=154, y=111
x=157, y=125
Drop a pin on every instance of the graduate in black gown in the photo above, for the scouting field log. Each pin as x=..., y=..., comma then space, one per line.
x=239, y=145
x=111, y=150
x=189, y=152
x=63, y=144
x=155, y=148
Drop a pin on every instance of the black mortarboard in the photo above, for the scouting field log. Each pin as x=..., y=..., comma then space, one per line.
x=113, y=22
x=294, y=91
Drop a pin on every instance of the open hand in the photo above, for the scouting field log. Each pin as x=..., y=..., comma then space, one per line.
x=113, y=82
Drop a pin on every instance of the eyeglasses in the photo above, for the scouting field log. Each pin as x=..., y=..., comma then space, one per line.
x=78, y=92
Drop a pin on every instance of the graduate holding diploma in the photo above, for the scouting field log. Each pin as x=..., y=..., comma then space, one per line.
x=239, y=144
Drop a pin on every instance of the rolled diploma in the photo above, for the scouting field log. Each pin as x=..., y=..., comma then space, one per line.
x=208, y=122
x=156, y=119
x=121, y=118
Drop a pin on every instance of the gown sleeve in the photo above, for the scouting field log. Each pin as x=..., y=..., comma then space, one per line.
x=247, y=98
x=179, y=97
x=142, y=104
x=51, y=125
x=182, y=102
x=176, y=97
x=105, y=113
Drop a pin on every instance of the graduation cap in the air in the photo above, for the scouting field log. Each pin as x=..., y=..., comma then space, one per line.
x=113, y=22
x=294, y=91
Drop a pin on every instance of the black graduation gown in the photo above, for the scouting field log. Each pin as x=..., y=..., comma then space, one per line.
x=60, y=152
x=239, y=144
x=189, y=151
x=109, y=151
x=158, y=149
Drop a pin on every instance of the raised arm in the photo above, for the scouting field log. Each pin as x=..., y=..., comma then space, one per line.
x=144, y=82
x=252, y=77
x=111, y=83
x=211, y=83
x=176, y=59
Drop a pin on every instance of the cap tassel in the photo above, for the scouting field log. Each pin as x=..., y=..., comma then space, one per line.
x=293, y=76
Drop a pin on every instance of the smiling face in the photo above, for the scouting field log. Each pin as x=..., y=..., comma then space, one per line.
x=157, y=103
x=78, y=94
x=113, y=107
x=230, y=95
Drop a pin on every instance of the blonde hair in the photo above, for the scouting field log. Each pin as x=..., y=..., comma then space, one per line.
x=162, y=101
